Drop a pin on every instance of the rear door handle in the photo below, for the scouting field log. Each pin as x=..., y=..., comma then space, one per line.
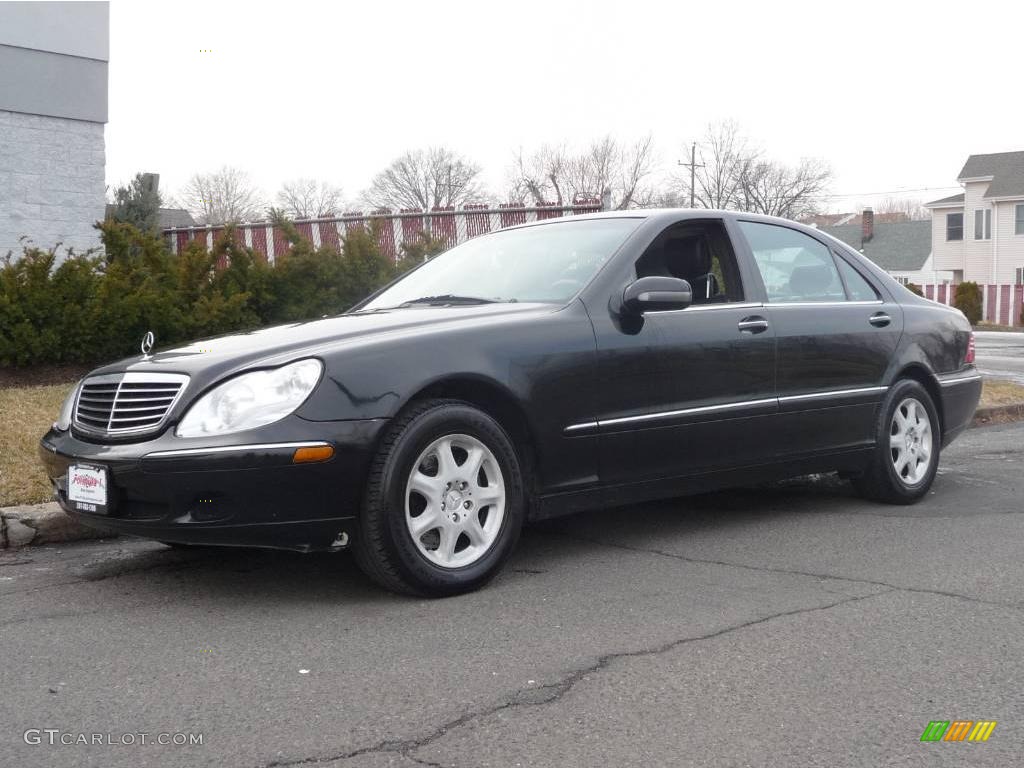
x=879, y=319
x=752, y=324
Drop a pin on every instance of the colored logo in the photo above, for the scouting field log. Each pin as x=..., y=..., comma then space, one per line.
x=958, y=730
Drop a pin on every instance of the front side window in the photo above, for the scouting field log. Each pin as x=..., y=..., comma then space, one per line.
x=701, y=254
x=1018, y=221
x=794, y=267
x=954, y=226
x=546, y=263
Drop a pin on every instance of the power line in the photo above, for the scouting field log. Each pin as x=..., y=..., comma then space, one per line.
x=885, y=192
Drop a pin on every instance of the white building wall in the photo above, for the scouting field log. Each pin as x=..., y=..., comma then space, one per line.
x=1009, y=246
x=948, y=254
x=51, y=181
x=977, y=253
x=926, y=275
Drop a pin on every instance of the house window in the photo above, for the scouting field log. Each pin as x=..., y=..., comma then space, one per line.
x=1019, y=279
x=902, y=279
x=954, y=226
x=1018, y=227
x=983, y=224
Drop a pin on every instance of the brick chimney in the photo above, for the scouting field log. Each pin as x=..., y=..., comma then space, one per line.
x=867, y=225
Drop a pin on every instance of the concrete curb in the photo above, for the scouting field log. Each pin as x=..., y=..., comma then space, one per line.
x=42, y=524
x=47, y=523
x=998, y=414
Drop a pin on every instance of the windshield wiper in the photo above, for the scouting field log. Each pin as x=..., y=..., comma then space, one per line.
x=446, y=298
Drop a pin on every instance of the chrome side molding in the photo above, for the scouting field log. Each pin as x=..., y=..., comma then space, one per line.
x=833, y=393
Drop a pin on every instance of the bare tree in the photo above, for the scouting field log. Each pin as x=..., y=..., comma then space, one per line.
x=792, y=192
x=899, y=209
x=540, y=176
x=735, y=175
x=426, y=178
x=724, y=156
x=309, y=199
x=226, y=195
x=554, y=174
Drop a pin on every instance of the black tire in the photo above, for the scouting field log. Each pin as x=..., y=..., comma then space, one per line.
x=881, y=482
x=384, y=548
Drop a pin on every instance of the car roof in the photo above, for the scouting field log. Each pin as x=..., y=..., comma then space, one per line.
x=668, y=214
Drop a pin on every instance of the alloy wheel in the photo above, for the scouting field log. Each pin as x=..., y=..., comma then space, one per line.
x=455, y=501
x=910, y=441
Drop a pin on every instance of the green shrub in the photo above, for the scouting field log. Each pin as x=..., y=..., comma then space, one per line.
x=968, y=301
x=44, y=313
x=915, y=288
x=93, y=308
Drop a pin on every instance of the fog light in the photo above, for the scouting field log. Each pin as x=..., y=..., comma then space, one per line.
x=312, y=453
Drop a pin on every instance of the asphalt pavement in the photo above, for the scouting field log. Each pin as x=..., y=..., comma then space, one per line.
x=1000, y=354
x=793, y=625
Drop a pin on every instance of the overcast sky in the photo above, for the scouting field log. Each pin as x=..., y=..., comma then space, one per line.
x=894, y=95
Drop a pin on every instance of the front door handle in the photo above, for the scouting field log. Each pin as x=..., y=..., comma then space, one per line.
x=879, y=319
x=752, y=324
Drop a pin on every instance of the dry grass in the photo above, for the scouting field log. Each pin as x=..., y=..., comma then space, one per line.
x=25, y=415
x=1000, y=392
x=27, y=412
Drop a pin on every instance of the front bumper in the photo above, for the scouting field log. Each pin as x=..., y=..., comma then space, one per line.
x=236, y=490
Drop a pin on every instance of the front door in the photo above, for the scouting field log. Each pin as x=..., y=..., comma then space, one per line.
x=687, y=391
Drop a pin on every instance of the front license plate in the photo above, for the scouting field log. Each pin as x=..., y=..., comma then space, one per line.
x=87, y=488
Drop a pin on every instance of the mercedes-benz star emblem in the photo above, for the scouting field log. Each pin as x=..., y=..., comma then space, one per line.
x=147, y=343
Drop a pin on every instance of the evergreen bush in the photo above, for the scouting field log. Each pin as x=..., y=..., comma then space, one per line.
x=96, y=307
x=968, y=300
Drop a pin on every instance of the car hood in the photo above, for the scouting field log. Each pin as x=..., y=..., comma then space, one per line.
x=216, y=357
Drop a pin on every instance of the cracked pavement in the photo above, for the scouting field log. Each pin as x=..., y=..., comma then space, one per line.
x=780, y=626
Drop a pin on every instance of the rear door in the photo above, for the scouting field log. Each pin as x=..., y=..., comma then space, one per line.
x=836, y=332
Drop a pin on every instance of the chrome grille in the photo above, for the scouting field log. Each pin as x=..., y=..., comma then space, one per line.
x=126, y=403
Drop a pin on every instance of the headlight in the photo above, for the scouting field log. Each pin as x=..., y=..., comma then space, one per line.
x=251, y=400
x=67, y=411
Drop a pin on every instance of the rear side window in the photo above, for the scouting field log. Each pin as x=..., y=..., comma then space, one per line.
x=793, y=266
x=857, y=287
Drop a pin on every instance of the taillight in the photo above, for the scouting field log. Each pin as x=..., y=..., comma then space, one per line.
x=969, y=357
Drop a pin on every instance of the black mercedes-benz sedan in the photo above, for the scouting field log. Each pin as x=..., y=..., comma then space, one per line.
x=534, y=371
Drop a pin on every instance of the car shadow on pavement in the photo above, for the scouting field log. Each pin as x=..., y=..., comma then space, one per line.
x=277, y=576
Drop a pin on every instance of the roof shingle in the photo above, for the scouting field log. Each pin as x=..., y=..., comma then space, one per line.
x=1005, y=168
x=945, y=200
x=897, y=246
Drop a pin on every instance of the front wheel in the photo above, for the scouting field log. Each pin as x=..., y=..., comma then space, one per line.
x=444, y=503
x=906, y=456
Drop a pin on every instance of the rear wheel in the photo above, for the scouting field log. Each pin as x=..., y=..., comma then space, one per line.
x=906, y=457
x=444, y=502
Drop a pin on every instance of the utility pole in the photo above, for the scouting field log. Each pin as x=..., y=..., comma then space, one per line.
x=693, y=165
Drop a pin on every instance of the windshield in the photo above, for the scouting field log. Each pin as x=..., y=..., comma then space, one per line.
x=549, y=263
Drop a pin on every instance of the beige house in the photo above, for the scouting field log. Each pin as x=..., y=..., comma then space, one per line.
x=979, y=234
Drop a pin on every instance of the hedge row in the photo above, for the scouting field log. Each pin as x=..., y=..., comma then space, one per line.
x=93, y=308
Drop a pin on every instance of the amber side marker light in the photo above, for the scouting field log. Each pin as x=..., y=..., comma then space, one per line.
x=312, y=453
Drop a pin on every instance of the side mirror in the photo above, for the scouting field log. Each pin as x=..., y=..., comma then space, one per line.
x=651, y=294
